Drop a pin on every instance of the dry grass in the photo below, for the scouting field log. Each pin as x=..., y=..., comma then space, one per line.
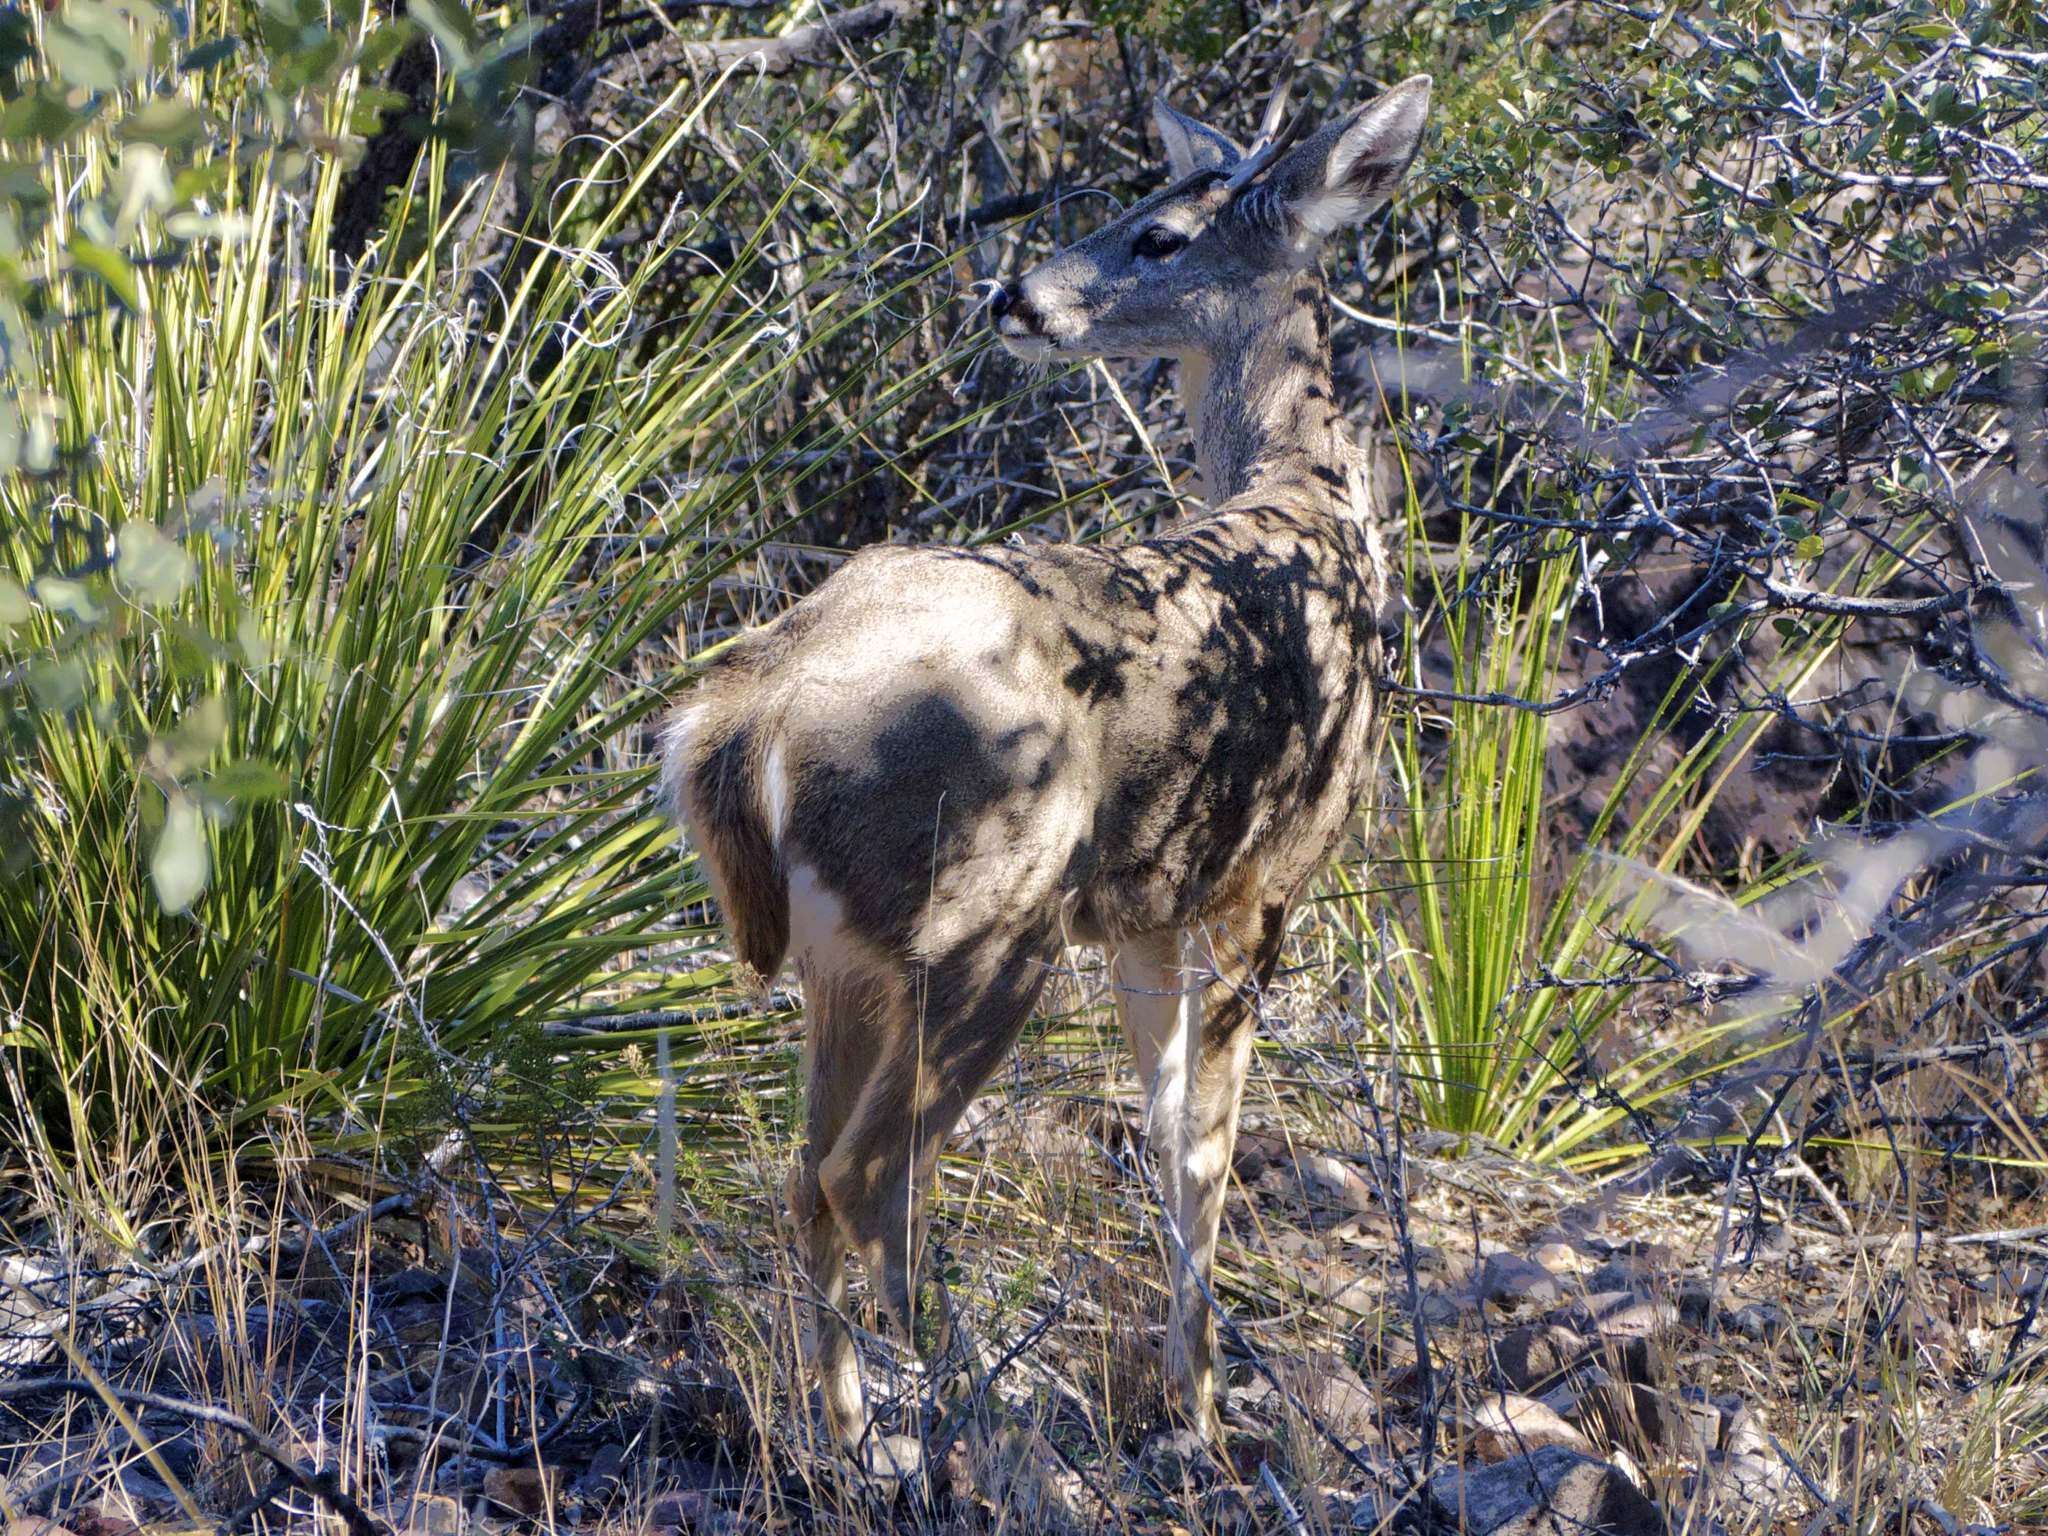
x=1875, y=1320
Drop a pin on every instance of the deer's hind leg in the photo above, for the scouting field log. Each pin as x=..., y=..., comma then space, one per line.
x=951, y=1021
x=842, y=1008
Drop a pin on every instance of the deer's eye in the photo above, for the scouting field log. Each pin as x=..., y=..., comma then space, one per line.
x=1158, y=242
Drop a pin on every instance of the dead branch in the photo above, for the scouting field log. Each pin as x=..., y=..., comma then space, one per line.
x=819, y=42
x=323, y=1484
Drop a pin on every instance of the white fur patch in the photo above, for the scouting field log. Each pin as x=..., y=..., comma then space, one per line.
x=675, y=752
x=775, y=794
x=817, y=924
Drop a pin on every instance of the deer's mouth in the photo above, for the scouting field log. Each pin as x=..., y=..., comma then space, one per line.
x=1022, y=342
x=1019, y=324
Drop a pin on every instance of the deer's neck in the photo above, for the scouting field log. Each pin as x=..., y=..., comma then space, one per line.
x=1265, y=417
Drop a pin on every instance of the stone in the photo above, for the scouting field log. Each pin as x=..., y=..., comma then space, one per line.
x=1558, y=1257
x=527, y=1491
x=1699, y=1301
x=1177, y=1458
x=1622, y=1315
x=432, y=1514
x=686, y=1509
x=1554, y=1491
x=600, y=1477
x=1746, y=1481
x=1443, y=1308
x=1335, y=1182
x=1534, y=1357
x=1635, y=1360
x=1511, y=1281
x=1506, y=1424
x=1331, y=1390
x=1765, y=1322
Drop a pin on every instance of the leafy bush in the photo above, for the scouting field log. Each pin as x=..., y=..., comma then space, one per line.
x=332, y=596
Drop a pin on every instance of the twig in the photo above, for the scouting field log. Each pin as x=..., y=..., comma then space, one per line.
x=323, y=1484
x=803, y=45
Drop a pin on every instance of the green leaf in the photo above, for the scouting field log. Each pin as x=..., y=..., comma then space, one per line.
x=179, y=866
x=197, y=735
x=15, y=607
x=109, y=266
x=208, y=54
x=79, y=59
x=247, y=779
x=165, y=121
x=74, y=598
x=39, y=114
x=1812, y=547
x=155, y=570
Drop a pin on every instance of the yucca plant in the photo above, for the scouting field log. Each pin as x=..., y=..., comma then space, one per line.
x=1490, y=1043
x=334, y=623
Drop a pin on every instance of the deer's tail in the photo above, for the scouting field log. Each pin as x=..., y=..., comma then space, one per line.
x=722, y=779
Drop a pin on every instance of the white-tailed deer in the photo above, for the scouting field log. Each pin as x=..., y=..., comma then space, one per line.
x=945, y=764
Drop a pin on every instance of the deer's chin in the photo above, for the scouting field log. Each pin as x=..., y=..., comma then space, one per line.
x=1028, y=347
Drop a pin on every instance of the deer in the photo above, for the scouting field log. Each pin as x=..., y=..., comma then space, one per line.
x=946, y=763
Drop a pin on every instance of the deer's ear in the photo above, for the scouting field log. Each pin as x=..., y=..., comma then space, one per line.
x=1191, y=146
x=1346, y=169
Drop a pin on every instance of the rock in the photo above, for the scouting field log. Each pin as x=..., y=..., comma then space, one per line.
x=524, y=1490
x=1335, y=1182
x=1331, y=1390
x=1443, y=1308
x=1511, y=1281
x=600, y=1478
x=1506, y=1425
x=1634, y=1360
x=1743, y=1431
x=1625, y=1464
x=1765, y=1322
x=1554, y=1491
x=1746, y=1481
x=1621, y=1315
x=1534, y=1357
x=601, y=1475
x=1659, y=1421
x=1723, y=1421
x=432, y=1514
x=1558, y=1257
x=413, y=1283
x=1699, y=1301
x=686, y=1509
x=1176, y=1457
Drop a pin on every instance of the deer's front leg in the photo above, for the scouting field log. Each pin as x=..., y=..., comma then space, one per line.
x=1161, y=981
x=1186, y=1004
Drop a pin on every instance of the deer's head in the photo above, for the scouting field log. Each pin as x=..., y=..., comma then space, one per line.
x=1191, y=269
